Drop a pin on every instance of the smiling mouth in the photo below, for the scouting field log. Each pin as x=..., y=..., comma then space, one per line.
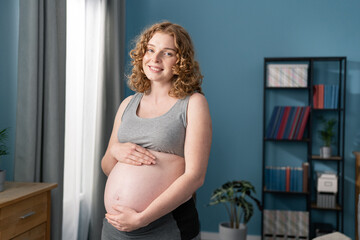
x=155, y=69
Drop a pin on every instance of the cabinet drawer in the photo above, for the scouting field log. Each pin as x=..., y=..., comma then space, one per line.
x=37, y=233
x=23, y=216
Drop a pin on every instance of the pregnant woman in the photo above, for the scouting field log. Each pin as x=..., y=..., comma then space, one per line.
x=160, y=144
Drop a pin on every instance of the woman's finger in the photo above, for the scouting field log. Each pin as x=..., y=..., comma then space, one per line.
x=139, y=157
x=145, y=152
x=115, y=224
x=132, y=162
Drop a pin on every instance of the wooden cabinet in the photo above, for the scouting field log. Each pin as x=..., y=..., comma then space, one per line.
x=25, y=210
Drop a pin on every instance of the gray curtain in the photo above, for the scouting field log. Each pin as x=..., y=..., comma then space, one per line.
x=40, y=118
x=113, y=93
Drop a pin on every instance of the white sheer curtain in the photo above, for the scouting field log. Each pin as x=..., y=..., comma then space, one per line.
x=84, y=81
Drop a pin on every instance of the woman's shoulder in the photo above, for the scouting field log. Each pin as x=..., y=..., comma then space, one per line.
x=198, y=105
x=198, y=111
x=197, y=99
x=126, y=101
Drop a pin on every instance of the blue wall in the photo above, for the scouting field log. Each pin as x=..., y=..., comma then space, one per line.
x=232, y=38
x=9, y=21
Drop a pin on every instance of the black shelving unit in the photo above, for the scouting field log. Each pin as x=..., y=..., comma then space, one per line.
x=320, y=70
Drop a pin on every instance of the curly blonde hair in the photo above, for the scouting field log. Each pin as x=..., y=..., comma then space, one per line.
x=187, y=76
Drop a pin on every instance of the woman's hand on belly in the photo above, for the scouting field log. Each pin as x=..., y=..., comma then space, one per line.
x=131, y=153
x=126, y=219
x=136, y=187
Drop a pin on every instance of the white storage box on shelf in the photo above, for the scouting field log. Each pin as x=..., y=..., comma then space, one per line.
x=287, y=75
x=327, y=182
x=326, y=190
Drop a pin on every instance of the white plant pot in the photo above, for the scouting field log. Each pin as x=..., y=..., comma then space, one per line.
x=2, y=179
x=227, y=233
x=325, y=152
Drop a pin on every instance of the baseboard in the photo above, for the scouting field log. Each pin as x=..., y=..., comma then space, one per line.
x=215, y=236
x=209, y=236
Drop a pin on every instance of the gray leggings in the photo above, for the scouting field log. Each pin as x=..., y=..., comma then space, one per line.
x=164, y=228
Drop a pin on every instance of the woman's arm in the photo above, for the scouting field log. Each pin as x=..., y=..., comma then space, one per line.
x=129, y=153
x=197, y=151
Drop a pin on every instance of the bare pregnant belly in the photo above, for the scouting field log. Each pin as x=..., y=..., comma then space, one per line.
x=137, y=186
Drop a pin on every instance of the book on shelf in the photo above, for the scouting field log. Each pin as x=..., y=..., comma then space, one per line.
x=294, y=123
x=284, y=119
x=287, y=122
x=277, y=124
x=286, y=179
x=298, y=124
x=273, y=119
x=325, y=96
x=303, y=123
x=315, y=96
x=320, y=97
x=288, y=172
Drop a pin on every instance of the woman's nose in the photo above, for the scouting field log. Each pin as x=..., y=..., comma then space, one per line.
x=156, y=57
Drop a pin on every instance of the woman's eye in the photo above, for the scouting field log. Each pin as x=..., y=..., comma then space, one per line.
x=150, y=50
x=168, y=54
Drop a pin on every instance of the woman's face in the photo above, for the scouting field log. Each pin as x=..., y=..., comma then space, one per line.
x=160, y=57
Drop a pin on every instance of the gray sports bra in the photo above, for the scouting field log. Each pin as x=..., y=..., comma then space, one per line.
x=165, y=133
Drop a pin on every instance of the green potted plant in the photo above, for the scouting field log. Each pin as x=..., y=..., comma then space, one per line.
x=326, y=135
x=3, y=151
x=235, y=195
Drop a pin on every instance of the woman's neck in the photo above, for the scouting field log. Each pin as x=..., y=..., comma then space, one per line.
x=158, y=92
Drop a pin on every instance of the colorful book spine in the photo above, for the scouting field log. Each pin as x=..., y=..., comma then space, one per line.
x=283, y=179
x=294, y=123
x=321, y=96
x=286, y=179
x=292, y=180
x=277, y=127
x=272, y=121
x=299, y=177
x=298, y=125
x=333, y=87
x=315, y=96
x=288, y=172
x=283, y=122
x=289, y=123
x=274, y=125
x=304, y=121
x=325, y=96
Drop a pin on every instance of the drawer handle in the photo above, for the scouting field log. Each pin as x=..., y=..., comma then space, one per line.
x=27, y=215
